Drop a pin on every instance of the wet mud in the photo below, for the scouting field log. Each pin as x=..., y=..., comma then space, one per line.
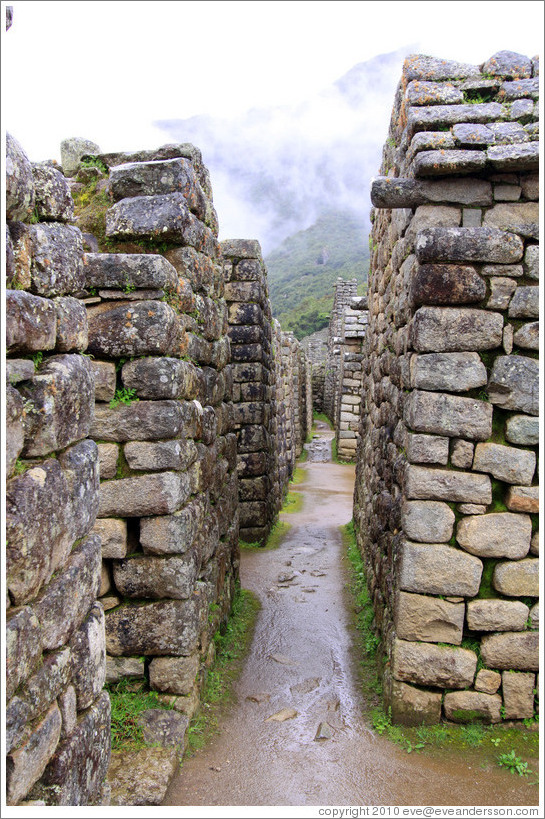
x=296, y=735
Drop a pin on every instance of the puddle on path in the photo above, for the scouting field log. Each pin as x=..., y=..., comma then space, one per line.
x=300, y=670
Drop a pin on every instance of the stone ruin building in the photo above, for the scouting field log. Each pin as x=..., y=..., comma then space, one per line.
x=155, y=411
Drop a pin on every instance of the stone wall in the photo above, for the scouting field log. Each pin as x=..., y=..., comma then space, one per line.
x=163, y=424
x=57, y=717
x=349, y=377
x=315, y=347
x=446, y=489
x=345, y=291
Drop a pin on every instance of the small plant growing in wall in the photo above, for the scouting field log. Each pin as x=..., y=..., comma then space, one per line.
x=123, y=396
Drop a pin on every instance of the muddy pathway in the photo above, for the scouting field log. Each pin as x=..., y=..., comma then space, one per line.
x=301, y=659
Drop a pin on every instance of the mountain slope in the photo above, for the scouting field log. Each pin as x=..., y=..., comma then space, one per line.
x=303, y=270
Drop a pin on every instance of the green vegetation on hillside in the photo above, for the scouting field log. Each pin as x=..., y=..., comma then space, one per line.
x=302, y=272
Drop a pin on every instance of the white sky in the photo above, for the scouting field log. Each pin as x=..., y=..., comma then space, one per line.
x=107, y=70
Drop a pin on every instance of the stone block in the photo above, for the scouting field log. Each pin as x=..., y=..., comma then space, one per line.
x=430, y=93
x=38, y=528
x=428, y=449
x=391, y=192
x=133, y=329
x=164, y=727
x=467, y=135
x=113, y=535
x=68, y=709
x=487, y=681
x=534, y=544
x=119, y=271
x=472, y=706
x=429, y=664
x=174, y=675
x=77, y=770
x=428, y=619
x=15, y=433
x=427, y=521
x=156, y=578
x=17, y=716
x=424, y=68
x=518, y=579
x=53, y=200
x=501, y=291
x=81, y=470
x=511, y=650
x=60, y=397
x=19, y=182
x=450, y=415
x=431, y=117
x=527, y=336
x=104, y=376
x=423, y=483
x=457, y=329
x=446, y=284
x=521, y=218
x=107, y=458
x=500, y=534
x=23, y=647
x=242, y=249
x=158, y=494
x=520, y=156
x=163, y=378
x=508, y=64
x=156, y=629
x=141, y=421
x=197, y=268
x=525, y=303
x=531, y=262
x=244, y=313
x=173, y=534
x=88, y=646
x=57, y=259
x=433, y=568
x=518, y=694
x=19, y=369
x=160, y=455
x=461, y=454
x=534, y=616
x=448, y=162
x=506, y=463
x=496, y=615
x=64, y=603
x=45, y=685
x=72, y=332
x=523, y=499
x=484, y=244
x=31, y=323
x=27, y=764
x=158, y=177
x=118, y=668
x=514, y=384
x=414, y=706
x=142, y=777
x=72, y=152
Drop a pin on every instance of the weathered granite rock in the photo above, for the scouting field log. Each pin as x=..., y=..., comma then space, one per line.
x=155, y=629
x=140, y=328
x=531, y=261
x=534, y=616
x=173, y=675
x=23, y=647
x=17, y=716
x=57, y=259
x=496, y=615
x=119, y=667
x=421, y=67
x=414, y=706
x=81, y=470
x=41, y=690
x=19, y=182
x=156, y=178
x=428, y=664
x=446, y=284
x=427, y=93
x=523, y=499
x=528, y=336
x=466, y=134
x=501, y=291
x=517, y=217
x=71, y=325
x=427, y=521
x=518, y=694
x=427, y=449
x=88, y=646
x=472, y=706
x=391, y=192
x=451, y=415
x=433, y=568
x=163, y=377
x=77, y=770
x=487, y=681
x=142, y=777
x=514, y=384
x=518, y=156
x=442, y=329
x=160, y=456
x=447, y=162
x=107, y=458
x=166, y=728
x=157, y=577
x=485, y=244
x=72, y=152
x=141, y=421
x=506, y=463
x=172, y=534
x=26, y=765
x=118, y=271
x=511, y=650
x=64, y=603
x=525, y=303
x=104, y=376
x=428, y=619
x=54, y=202
x=161, y=493
x=430, y=117
x=15, y=434
x=61, y=404
x=500, y=534
x=508, y=64
x=518, y=579
x=461, y=454
x=423, y=483
x=30, y=323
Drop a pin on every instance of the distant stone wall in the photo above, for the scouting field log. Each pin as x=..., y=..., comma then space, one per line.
x=446, y=491
x=315, y=347
x=345, y=291
x=164, y=420
x=57, y=718
x=349, y=377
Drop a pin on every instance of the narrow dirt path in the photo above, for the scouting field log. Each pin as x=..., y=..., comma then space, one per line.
x=301, y=659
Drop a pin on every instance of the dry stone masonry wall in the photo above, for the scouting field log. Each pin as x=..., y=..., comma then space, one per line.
x=57, y=717
x=446, y=495
x=349, y=377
